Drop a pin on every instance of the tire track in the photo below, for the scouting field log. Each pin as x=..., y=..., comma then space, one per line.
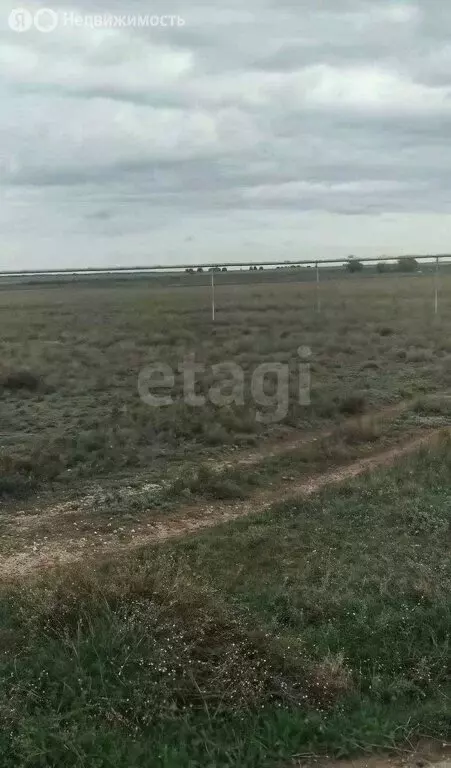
x=195, y=518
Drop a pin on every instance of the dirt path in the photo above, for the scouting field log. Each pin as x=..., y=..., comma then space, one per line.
x=270, y=448
x=208, y=515
x=193, y=518
x=427, y=754
x=276, y=445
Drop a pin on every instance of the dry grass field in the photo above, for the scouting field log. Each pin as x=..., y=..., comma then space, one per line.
x=71, y=356
x=189, y=586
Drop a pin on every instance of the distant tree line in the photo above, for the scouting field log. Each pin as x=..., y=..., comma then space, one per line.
x=294, y=266
x=192, y=271
x=406, y=264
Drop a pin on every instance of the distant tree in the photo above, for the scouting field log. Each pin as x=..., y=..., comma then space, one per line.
x=224, y=269
x=407, y=264
x=261, y=268
x=354, y=265
x=190, y=270
x=200, y=269
x=381, y=267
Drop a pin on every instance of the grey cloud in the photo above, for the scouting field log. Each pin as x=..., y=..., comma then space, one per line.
x=206, y=135
x=103, y=215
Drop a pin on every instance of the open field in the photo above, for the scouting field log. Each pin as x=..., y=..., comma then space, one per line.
x=71, y=356
x=250, y=594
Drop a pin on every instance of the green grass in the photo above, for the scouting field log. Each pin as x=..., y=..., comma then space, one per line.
x=320, y=626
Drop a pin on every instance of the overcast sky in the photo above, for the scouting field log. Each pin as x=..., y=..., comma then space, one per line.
x=258, y=129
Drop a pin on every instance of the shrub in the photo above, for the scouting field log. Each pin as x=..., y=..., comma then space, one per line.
x=21, y=379
x=362, y=432
x=354, y=265
x=407, y=264
x=352, y=404
x=21, y=474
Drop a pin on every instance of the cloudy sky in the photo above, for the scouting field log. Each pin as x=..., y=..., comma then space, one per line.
x=258, y=129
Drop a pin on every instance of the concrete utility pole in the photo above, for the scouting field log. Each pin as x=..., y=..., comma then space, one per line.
x=318, y=295
x=436, y=286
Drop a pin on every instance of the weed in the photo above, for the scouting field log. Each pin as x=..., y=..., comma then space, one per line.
x=362, y=431
x=419, y=355
x=207, y=482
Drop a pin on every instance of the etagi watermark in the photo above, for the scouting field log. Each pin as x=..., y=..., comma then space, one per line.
x=47, y=20
x=231, y=385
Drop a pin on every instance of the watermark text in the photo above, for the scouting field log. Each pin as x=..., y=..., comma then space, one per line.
x=270, y=386
x=48, y=20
